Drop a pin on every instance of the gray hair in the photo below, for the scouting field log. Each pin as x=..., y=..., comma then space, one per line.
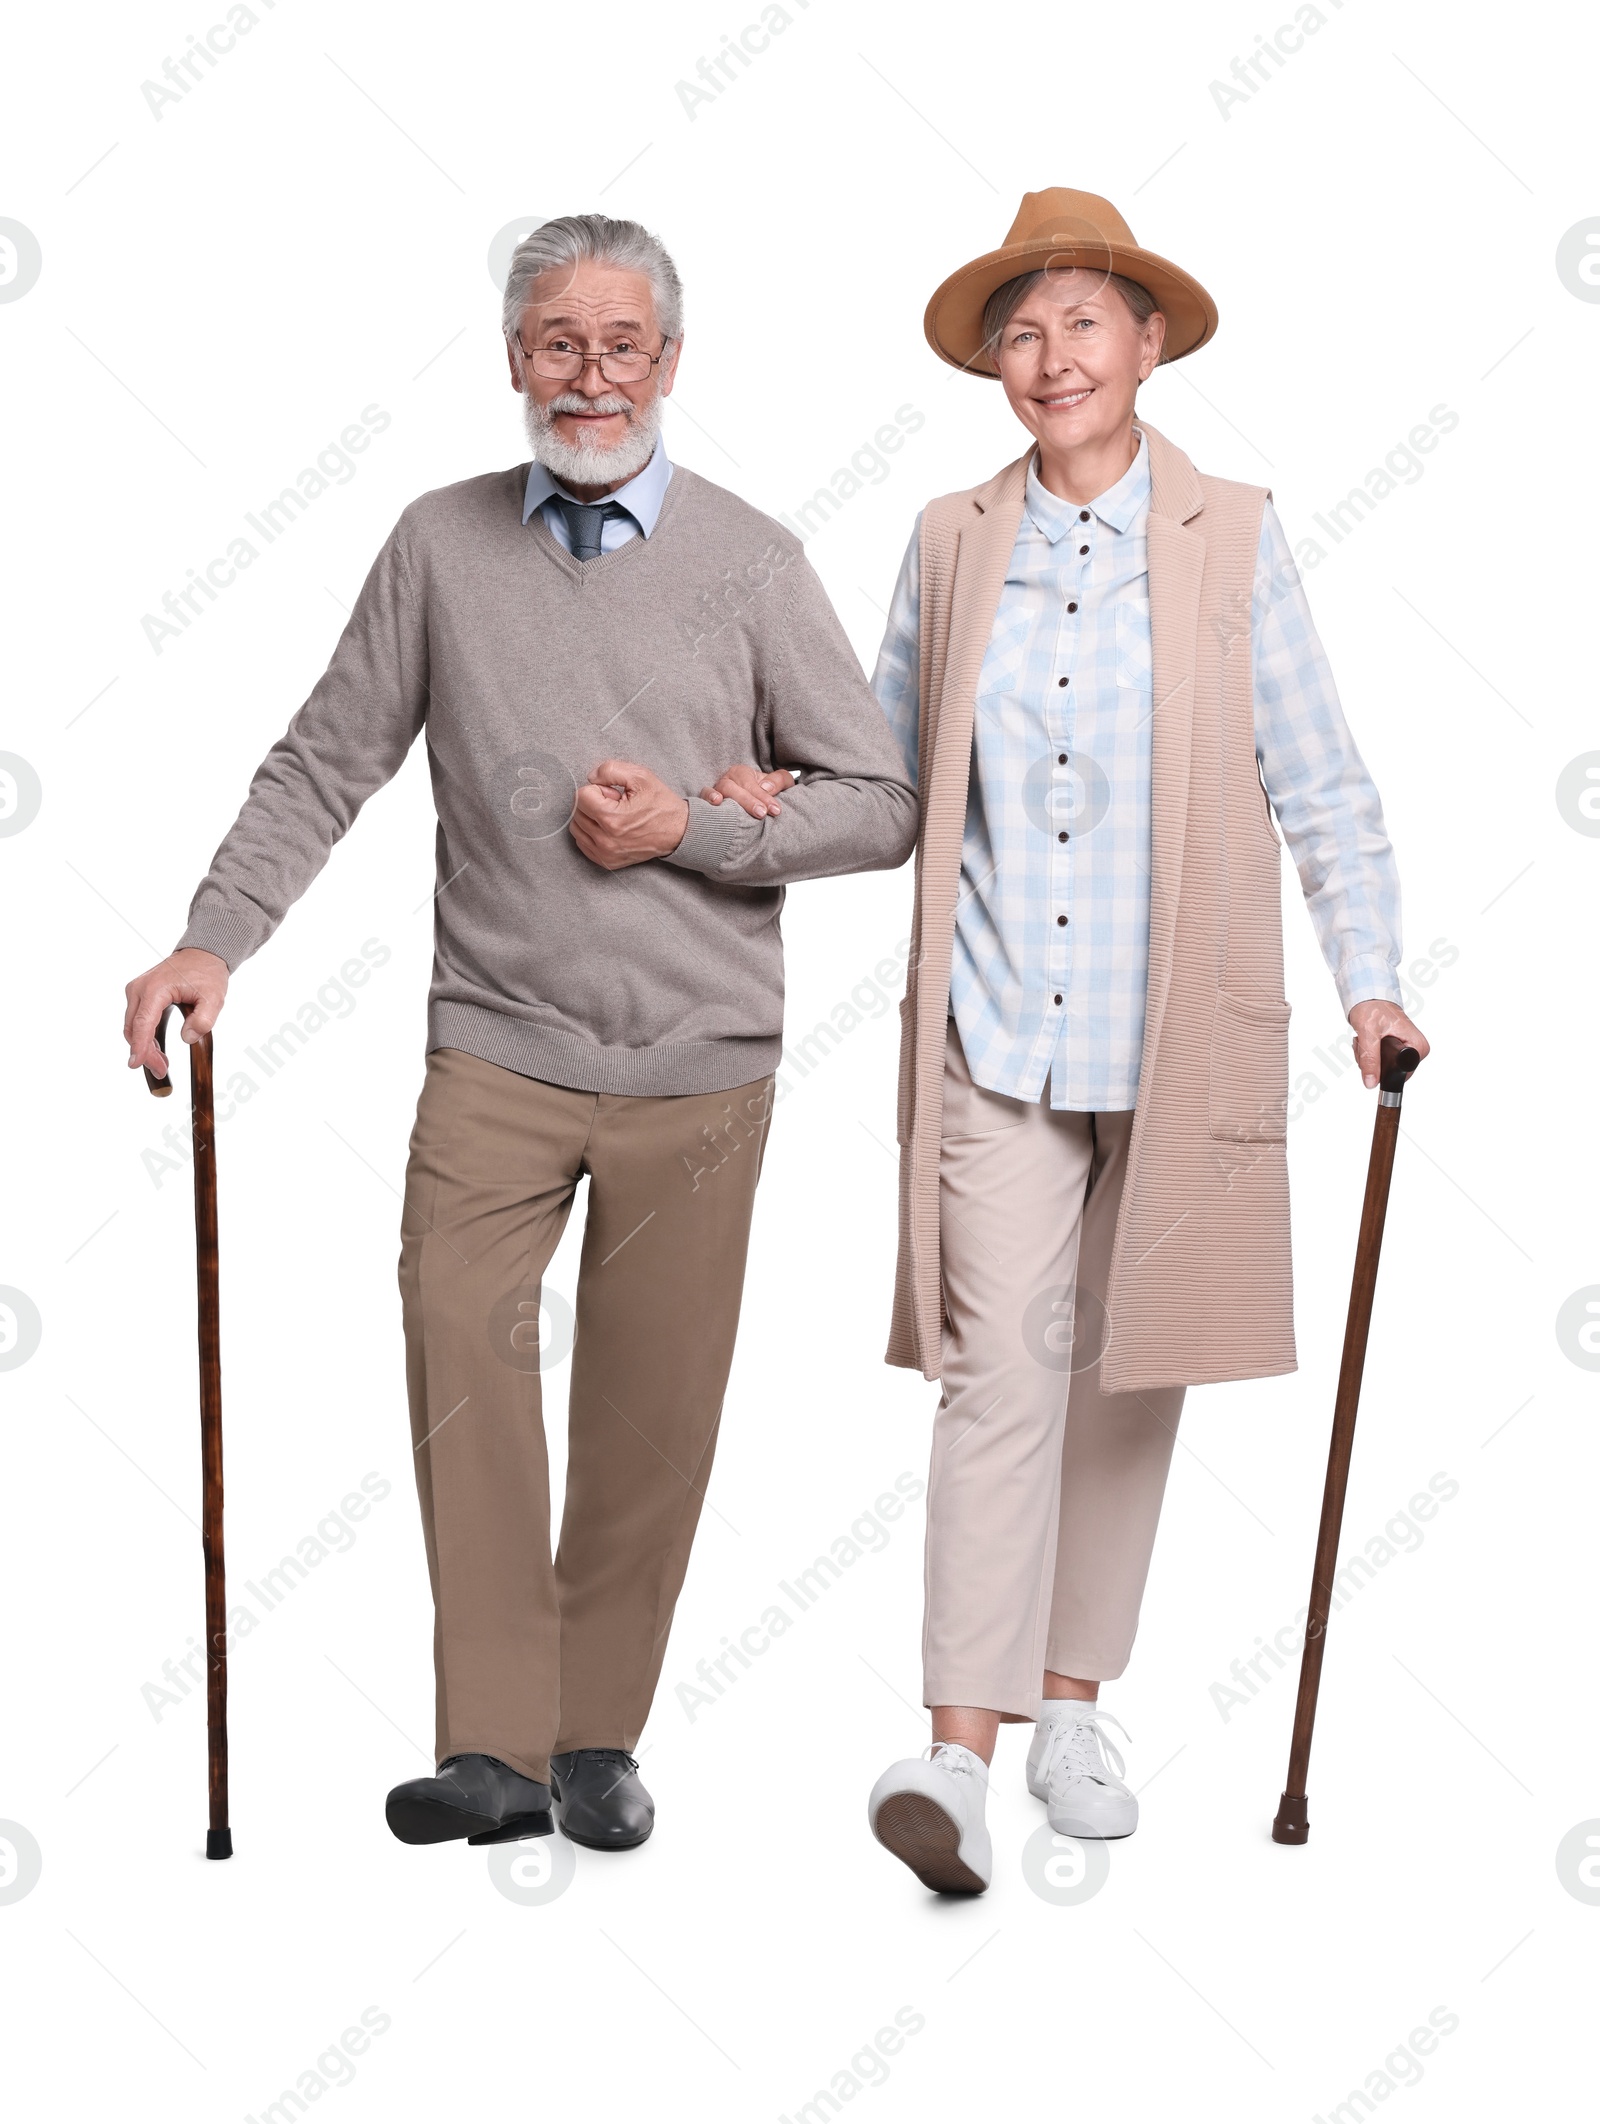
x=1009, y=297
x=574, y=237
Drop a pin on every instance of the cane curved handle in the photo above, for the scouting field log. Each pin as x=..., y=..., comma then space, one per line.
x=1396, y=1066
x=162, y=1086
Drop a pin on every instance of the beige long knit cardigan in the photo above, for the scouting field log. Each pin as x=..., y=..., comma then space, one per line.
x=1200, y=1285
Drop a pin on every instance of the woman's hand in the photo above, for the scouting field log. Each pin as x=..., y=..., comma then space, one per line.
x=1374, y=1022
x=749, y=787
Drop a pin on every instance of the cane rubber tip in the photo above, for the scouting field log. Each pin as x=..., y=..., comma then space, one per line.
x=1291, y=1825
x=219, y=1843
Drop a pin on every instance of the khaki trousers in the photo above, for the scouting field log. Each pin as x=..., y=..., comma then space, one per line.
x=1044, y=1493
x=532, y=1655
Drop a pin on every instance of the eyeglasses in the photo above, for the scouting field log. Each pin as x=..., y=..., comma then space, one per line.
x=563, y=363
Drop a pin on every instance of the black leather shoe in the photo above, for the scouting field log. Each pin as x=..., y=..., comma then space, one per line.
x=475, y=1796
x=600, y=1802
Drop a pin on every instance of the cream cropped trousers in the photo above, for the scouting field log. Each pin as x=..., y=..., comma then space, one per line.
x=1044, y=1493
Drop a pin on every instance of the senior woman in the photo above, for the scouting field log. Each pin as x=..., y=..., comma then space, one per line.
x=1102, y=672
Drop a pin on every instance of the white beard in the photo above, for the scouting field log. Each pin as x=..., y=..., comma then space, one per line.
x=593, y=464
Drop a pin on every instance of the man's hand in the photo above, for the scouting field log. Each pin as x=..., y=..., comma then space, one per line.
x=191, y=976
x=626, y=815
x=749, y=787
x=1373, y=1022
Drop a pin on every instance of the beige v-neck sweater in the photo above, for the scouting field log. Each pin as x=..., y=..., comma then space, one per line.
x=709, y=643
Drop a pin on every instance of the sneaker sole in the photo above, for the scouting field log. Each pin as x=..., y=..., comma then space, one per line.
x=922, y=1836
x=1066, y=1825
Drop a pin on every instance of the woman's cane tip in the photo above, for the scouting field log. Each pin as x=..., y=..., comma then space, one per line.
x=219, y=1843
x=1291, y=1825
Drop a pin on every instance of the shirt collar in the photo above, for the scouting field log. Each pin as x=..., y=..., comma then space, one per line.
x=641, y=496
x=1119, y=507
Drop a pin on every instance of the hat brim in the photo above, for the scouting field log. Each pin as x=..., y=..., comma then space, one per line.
x=953, y=320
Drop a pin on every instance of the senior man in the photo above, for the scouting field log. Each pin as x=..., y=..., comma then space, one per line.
x=606, y=1000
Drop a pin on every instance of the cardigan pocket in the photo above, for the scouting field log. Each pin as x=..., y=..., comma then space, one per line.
x=1249, y=1070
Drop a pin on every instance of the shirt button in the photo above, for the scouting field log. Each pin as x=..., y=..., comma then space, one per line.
x=1063, y=682
x=1083, y=549
x=1061, y=759
x=1072, y=608
x=1083, y=516
x=1061, y=921
x=1058, y=999
x=1060, y=836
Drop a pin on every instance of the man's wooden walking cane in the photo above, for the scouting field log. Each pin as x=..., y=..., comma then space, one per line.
x=219, y=1837
x=1291, y=1825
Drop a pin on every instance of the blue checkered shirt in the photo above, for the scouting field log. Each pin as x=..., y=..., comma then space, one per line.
x=1058, y=811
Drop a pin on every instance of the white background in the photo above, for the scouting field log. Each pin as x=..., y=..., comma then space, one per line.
x=224, y=288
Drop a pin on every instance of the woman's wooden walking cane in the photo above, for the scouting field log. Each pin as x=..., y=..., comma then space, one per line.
x=1291, y=1825
x=219, y=1837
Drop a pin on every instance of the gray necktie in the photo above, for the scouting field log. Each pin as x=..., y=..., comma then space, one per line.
x=585, y=521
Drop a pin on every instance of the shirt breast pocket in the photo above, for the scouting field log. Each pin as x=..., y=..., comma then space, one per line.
x=1133, y=645
x=1003, y=659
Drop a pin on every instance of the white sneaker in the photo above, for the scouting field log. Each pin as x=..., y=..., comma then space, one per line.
x=1067, y=1769
x=928, y=1811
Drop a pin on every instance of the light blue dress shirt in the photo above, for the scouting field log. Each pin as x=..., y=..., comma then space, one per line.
x=642, y=497
x=1051, y=950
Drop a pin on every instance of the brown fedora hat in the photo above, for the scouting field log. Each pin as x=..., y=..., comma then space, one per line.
x=1060, y=229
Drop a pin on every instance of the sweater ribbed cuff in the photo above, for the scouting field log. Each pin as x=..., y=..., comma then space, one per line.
x=231, y=939
x=708, y=839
